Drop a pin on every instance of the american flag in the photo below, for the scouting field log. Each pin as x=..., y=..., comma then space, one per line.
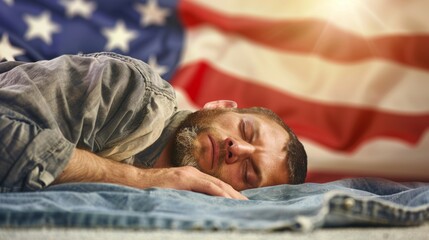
x=351, y=77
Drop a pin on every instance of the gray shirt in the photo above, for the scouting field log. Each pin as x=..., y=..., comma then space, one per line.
x=109, y=104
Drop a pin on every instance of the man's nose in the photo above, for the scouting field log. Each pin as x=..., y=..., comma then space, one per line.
x=237, y=150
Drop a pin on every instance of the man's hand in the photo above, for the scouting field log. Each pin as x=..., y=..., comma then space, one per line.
x=188, y=178
x=87, y=167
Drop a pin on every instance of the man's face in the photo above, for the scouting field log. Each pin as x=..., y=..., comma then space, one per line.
x=245, y=150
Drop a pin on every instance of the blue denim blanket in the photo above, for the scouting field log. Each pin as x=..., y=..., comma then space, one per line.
x=373, y=202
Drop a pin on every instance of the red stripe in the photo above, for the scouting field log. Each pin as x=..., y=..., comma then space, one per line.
x=313, y=37
x=328, y=176
x=335, y=126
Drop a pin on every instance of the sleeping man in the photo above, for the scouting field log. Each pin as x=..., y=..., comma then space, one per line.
x=109, y=118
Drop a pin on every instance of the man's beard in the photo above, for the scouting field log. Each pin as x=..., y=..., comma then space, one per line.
x=184, y=147
x=183, y=152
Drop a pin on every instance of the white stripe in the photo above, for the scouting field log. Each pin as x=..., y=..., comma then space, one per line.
x=382, y=157
x=375, y=84
x=364, y=17
x=183, y=100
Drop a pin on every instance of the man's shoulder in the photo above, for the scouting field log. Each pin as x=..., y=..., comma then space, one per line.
x=153, y=82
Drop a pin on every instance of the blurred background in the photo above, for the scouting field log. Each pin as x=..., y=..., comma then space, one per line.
x=351, y=77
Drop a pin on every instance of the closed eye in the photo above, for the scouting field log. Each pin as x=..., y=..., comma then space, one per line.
x=246, y=130
x=245, y=179
x=252, y=177
x=243, y=129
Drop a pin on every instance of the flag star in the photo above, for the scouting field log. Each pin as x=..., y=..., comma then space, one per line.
x=9, y=2
x=7, y=51
x=119, y=36
x=161, y=70
x=41, y=26
x=79, y=7
x=151, y=13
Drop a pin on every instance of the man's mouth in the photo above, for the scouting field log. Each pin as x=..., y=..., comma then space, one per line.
x=215, y=153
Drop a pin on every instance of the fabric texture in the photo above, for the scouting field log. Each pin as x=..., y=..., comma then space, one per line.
x=110, y=104
x=367, y=202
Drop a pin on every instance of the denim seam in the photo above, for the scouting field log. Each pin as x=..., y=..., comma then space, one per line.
x=378, y=210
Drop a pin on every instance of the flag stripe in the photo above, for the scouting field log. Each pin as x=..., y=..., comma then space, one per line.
x=353, y=87
x=314, y=37
x=334, y=175
x=363, y=17
x=380, y=157
x=373, y=84
x=338, y=127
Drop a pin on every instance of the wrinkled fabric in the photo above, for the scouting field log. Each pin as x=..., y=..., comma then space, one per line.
x=371, y=202
x=109, y=104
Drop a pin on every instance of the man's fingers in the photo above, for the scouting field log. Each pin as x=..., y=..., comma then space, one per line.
x=207, y=187
x=190, y=178
x=217, y=187
x=229, y=189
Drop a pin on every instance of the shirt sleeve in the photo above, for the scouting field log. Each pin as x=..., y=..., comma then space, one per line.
x=105, y=103
x=30, y=157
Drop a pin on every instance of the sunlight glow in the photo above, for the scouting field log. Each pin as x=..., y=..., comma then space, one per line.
x=351, y=13
x=346, y=14
x=341, y=7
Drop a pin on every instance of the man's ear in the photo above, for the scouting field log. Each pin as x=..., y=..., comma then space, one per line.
x=220, y=104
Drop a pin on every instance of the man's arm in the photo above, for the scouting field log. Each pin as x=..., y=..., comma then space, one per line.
x=85, y=166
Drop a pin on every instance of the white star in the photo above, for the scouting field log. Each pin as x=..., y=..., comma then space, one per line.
x=41, y=26
x=9, y=2
x=161, y=70
x=119, y=36
x=7, y=51
x=79, y=7
x=151, y=13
